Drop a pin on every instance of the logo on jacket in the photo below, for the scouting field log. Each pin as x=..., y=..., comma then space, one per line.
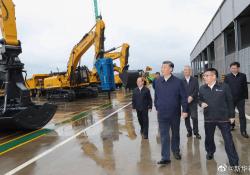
x=218, y=90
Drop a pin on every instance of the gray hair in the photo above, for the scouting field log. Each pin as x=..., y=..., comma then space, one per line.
x=187, y=66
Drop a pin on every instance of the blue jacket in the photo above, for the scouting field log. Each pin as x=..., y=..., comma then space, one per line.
x=169, y=97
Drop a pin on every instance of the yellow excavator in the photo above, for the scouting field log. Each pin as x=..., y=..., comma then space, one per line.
x=123, y=76
x=17, y=111
x=76, y=80
x=36, y=82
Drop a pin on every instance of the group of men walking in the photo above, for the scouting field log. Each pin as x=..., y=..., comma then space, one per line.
x=176, y=97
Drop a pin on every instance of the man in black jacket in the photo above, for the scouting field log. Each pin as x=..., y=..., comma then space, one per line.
x=142, y=102
x=237, y=81
x=217, y=102
x=192, y=88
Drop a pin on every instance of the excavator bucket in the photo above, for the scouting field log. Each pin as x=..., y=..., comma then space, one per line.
x=17, y=111
x=129, y=78
x=28, y=118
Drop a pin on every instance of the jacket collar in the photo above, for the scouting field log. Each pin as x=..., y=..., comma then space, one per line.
x=163, y=79
x=234, y=75
x=141, y=89
x=217, y=84
x=190, y=78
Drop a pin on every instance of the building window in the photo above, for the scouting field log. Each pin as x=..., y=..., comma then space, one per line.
x=229, y=41
x=245, y=33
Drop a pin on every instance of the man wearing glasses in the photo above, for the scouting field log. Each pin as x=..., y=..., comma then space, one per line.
x=216, y=100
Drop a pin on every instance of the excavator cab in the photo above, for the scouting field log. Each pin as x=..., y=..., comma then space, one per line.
x=81, y=75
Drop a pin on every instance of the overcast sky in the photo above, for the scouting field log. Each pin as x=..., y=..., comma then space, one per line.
x=155, y=29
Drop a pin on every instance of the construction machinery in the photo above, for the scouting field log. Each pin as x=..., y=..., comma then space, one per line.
x=149, y=78
x=122, y=55
x=17, y=111
x=129, y=77
x=79, y=80
x=36, y=84
x=125, y=77
x=76, y=80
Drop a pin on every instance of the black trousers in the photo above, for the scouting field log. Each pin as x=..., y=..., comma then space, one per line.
x=142, y=116
x=241, y=108
x=192, y=114
x=228, y=140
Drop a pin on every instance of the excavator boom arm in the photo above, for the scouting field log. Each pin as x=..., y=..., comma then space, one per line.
x=122, y=55
x=86, y=42
x=18, y=112
x=113, y=55
x=8, y=22
x=78, y=51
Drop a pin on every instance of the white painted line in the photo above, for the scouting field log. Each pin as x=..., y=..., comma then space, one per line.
x=22, y=166
x=247, y=116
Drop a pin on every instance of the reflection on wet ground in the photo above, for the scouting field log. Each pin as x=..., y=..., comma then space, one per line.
x=115, y=146
x=248, y=103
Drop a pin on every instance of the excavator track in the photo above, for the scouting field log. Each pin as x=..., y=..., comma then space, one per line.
x=70, y=95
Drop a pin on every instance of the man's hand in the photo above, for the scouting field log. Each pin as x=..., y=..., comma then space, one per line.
x=184, y=115
x=190, y=99
x=232, y=120
x=204, y=105
x=150, y=110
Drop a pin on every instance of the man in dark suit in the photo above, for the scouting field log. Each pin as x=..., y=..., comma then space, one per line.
x=170, y=96
x=142, y=102
x=216, y=100
x=192, y=87
x=237, y=82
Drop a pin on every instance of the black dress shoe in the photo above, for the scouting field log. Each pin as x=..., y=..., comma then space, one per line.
x=244, y=134
x=164, y=162
x=145, y=137
x=177, y=156
x=209, y=156
x=189, y=134
x=198, y=136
